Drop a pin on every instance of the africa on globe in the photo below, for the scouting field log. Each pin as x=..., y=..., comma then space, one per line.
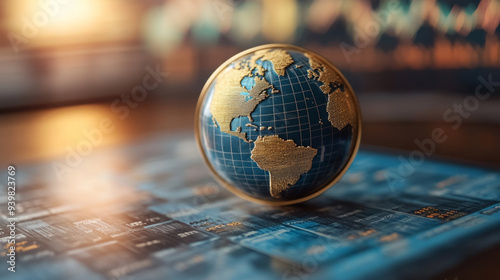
x=277, y=124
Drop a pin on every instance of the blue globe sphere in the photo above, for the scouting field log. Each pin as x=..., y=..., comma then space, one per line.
x=277, y=124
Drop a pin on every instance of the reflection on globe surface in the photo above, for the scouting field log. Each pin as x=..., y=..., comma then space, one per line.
x=278, y=124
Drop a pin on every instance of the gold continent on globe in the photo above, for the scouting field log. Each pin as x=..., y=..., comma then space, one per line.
x=277, y=124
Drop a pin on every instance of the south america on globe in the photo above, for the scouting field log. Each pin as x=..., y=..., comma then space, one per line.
x=277, y=124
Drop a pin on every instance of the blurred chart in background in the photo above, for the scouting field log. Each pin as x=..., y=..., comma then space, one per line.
x=74, y=50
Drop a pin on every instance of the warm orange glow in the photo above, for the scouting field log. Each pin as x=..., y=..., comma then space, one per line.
x=322, y=14
x=70, y=22
x=64, y=127
x=89, y=180
x=46, y=134
x=279, y=20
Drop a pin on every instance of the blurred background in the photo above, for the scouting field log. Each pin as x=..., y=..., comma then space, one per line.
x=67, y=64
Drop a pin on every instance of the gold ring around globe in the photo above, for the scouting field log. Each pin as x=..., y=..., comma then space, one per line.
x=352, y=152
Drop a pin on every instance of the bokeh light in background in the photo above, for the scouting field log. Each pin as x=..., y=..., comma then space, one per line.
x=70, y=22
x=72, y=50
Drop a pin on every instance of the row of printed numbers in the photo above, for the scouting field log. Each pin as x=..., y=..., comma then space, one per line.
x=11, y=226
x=11, y=191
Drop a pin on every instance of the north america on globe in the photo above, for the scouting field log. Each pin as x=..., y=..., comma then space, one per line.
x=278, y=124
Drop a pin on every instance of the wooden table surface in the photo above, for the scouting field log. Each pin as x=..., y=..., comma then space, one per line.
x=45, y=133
